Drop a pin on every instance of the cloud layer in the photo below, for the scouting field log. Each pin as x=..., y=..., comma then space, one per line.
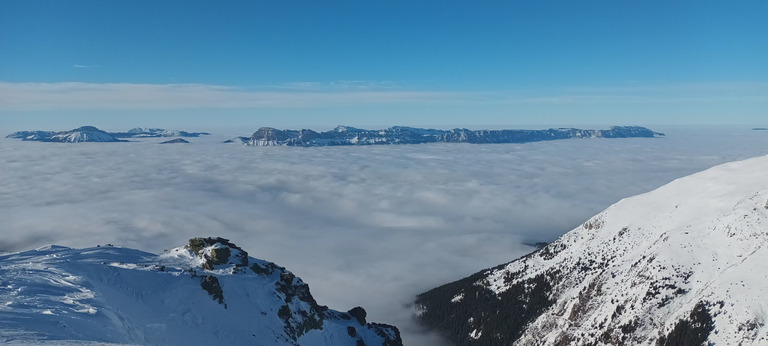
x=369, y=226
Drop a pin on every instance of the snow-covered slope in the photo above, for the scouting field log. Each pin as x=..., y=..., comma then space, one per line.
x=681, y=265
x=80, y=134
x=83, y=134
x=92, y=134
x=206, y=293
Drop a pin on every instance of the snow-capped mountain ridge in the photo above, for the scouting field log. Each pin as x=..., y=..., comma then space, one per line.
x=143, y=132
x=347, y=135
x=93, y=134
x=80, y=134
x=207, y=292
x=683, y=264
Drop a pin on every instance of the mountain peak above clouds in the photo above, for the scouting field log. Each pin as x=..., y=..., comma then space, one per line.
x=681, y=265
x=206, y=292
x=143, y=132
x=83, y=134
x=347, y=135
x=174, y=141
x=80, y=134
x=93, y=134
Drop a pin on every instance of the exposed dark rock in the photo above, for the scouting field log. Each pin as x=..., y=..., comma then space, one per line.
x=220, y=255
x=266, y=270
x=197, y=244
x=300, y=312
x=287, y=278
x=211, y=285
x=390, y=334
x=359, y=314
x=301, y=321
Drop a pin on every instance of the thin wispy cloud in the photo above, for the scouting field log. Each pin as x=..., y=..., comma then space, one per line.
x=78, y=66
x=121, y=96
x=75, y=95
x=341, y=85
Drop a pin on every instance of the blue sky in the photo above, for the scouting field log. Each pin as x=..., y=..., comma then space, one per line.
x=312, y=63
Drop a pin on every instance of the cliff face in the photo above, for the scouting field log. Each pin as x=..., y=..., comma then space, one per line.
x=682, y=265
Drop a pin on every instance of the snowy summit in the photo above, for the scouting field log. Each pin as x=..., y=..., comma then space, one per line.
x=209, y=292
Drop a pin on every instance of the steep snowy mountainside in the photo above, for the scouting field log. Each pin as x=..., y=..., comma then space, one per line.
x=208, y=292
x=681, y=265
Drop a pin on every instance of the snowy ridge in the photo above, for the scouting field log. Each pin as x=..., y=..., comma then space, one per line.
x=208, y=292
x=684, y=264
x=80, y=134
x=93, y=134
x=143, y=132
x=83, y=134
x=346, y=135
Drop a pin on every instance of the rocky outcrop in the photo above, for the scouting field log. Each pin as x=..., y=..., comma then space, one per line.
x=208, y=292
x=299, y=311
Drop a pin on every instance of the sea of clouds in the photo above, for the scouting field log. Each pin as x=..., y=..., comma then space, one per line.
x=370, y=226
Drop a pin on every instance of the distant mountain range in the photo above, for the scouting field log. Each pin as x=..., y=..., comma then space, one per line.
x=346, y=135
x=682, y=265
x=93, y=134
x=139, y=132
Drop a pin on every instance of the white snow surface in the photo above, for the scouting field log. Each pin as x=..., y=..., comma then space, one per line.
x=112, y=295
x=699, y=238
